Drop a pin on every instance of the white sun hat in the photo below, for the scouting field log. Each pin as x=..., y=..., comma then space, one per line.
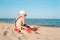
x=22, y=12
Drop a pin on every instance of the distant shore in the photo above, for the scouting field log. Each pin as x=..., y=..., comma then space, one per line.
x=46, y=33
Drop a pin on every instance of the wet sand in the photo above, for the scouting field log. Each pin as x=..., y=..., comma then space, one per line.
x=46, y=33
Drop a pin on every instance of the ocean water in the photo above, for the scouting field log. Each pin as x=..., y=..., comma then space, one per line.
x=44, y=22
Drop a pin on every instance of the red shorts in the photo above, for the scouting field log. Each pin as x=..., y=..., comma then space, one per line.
x=29, y=30
x=17, y=30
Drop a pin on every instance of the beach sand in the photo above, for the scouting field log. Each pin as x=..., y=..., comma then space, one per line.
x=46, y=33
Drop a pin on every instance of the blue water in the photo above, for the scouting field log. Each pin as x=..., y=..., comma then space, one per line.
x=44, y=22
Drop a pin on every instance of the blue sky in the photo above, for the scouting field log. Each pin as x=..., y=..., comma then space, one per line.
x=49, y=9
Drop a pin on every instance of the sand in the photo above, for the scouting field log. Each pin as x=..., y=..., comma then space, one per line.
x=46, y=33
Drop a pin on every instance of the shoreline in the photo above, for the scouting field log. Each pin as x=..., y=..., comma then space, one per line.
x=38, y=22
x=36, y=25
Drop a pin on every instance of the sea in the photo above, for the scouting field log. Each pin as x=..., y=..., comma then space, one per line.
x=39, y=22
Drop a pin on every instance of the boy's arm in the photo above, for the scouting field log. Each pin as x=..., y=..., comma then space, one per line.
x=23, y=21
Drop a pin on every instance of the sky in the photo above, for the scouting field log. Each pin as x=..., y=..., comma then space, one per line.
x=45, y=9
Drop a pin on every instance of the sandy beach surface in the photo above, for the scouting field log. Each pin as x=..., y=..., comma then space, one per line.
x=45, y=33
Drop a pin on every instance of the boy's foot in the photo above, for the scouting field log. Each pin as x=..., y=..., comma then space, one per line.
x=37, y=33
